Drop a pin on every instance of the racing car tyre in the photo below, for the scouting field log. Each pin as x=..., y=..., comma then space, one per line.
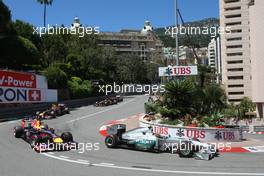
x=111, y=141
x=211, y=156
x=67, y=137
x=52, y=114
x=59, y=112
x=18, y=131
x=67, y=111
x=186, y=150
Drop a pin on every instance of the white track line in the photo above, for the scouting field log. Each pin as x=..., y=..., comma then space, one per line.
x=107, y=164
x=96, y=113
x=80, y=118
x=85, y=161
x=153, y=170
x=66, y=157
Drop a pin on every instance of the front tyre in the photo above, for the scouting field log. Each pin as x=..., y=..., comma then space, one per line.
x=186, y=150
x=67, y=137
x=18, y=131
x=111, y=141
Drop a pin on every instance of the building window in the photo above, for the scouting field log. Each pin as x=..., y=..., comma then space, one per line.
x=233, y=16
x=235, y=85
x=231, y=1
x=143, y=51
x=234, y=46
x=233, y=24
x=236, y=31
x=234, y=100
x=234, y=69
x=235, y=77
x=235, y=54
x=232, y=8
x=234, y=39
x=235, y=93
x=235, y=62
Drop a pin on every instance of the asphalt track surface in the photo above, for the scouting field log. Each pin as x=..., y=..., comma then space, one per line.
x=18, y=159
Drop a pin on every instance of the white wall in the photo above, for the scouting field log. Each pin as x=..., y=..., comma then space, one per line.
x=257, y=53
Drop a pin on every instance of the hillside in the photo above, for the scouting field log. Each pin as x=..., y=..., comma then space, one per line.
x=197, y=40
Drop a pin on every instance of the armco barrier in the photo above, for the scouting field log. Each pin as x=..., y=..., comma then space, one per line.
x=203, y=134
x=20, y=112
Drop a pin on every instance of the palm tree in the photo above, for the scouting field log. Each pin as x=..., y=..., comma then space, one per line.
x=213, y=98
x=45, y=3
x=205, y=75
x=179, y=96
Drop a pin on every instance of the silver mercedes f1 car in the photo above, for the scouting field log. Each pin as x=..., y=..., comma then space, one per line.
x=144, y=139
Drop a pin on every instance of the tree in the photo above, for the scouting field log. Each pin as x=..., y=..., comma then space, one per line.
x=213, y=98
x=204, y=74
x=131, y=69
x=246, y=105
x=26, y=30
x=5, y=16
x=54, y=49
x=79, y=88
x=152, y=73
x=57, y=79
x=179, y=97
x=18, y=52
x=45, y=3
x=6, y=27
x=75, y=62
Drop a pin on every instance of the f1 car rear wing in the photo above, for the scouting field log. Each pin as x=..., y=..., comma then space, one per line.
x=116, y=129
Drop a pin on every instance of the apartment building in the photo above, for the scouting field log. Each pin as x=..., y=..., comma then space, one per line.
x=186, y=56
x=256, y=11
x=202, y=54
x=143, y=43
x=235, y=49
x=214, y=57
x=212, y=54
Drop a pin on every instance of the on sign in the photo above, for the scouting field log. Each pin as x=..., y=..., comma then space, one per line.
x=17, y=79
x=178, y=71
x=19, y=95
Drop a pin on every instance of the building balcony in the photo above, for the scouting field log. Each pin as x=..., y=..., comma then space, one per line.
x=232, y=12
x=234, y=73
x=231, y=4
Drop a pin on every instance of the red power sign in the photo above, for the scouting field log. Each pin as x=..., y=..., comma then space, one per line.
x=17, y=79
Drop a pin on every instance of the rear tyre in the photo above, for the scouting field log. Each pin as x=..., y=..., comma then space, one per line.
x=67, y=137
x=53, y=114
x=67, y=111
x=111, y=141
x=186, y=150
x=18, y=131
